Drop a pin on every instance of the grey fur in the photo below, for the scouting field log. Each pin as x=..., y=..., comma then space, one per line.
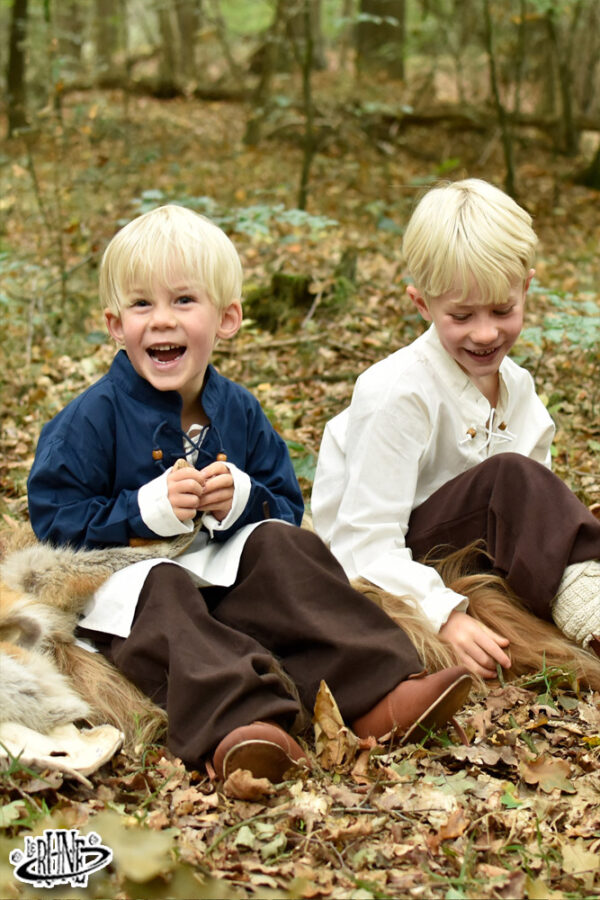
x=53, y=585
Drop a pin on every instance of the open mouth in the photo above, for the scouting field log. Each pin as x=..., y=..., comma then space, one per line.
x=166, y=353
x=483, y=354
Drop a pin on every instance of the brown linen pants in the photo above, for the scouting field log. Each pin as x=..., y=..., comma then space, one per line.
x=533, y=525
x=206, y=656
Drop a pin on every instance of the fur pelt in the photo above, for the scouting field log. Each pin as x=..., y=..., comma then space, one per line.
x=46, y=679
x=535, y=645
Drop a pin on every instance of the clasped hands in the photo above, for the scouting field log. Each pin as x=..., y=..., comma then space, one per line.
x=205, y=490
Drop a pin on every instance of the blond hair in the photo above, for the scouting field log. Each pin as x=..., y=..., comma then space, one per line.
x=167, y=243
x=469, y=234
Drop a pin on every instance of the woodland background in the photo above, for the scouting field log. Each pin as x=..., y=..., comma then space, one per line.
x=308, y=129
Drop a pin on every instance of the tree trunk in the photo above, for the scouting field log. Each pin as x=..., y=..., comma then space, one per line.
x=107, y=40
x=265, y=62
x=215, y=17
x=301, y=27
x=309, y=136
x=168, y=69
x=380, y=34
x=519, y=63
x=346, y=38
x=15, y=74
x=590, y=177
x=189, y=16
x=570, y=134
x=68, y=22
x=288, y=30
x=509, y=179
x=587, y=61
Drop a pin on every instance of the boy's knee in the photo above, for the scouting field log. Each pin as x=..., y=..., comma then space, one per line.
x=287, y=538
x=511, y=467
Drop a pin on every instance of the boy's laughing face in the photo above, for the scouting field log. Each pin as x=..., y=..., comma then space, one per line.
x=476, y=334
x=169, y=334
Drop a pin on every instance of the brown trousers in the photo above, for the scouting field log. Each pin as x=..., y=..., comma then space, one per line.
x=533, y=525
x=206, y=656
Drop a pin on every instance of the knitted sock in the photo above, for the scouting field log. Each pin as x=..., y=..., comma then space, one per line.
x=576, y=608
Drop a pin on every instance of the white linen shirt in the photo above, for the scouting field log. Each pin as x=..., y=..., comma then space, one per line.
x=415, y=421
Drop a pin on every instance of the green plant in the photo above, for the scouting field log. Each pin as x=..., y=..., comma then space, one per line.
x=25, y=811
x=258, y=220
x=550, y=679
x=574, y=320
x=303, y=460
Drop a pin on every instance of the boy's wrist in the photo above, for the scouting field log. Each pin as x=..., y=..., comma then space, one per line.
x=156, y=511
x=439, y=606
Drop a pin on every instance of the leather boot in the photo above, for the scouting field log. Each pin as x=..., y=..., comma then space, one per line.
x=416, y=705
x=265, y=749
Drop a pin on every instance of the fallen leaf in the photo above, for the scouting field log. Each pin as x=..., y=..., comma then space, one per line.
x=139, y=853
x=549, y=773
x=245, y=838
x=242, y=785
x=308, y=806
x=578, y=860
x=335, y=744
x=537, y=889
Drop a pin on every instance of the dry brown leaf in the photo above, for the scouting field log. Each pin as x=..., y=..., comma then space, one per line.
x=549, y=773
x=242, y=785
x=484, y=755
x=335, y=744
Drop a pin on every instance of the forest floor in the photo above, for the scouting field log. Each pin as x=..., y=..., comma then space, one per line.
x=516, y=812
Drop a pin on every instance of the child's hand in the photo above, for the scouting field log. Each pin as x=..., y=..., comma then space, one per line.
x=208, y=490
x=217, y=495
x=479, y=648
x=184, y=489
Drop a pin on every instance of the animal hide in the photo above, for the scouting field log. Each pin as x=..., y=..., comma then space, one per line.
x=44, y=589
x=47, y=680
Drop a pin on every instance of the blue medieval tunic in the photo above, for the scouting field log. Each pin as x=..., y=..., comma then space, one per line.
x=114, y=445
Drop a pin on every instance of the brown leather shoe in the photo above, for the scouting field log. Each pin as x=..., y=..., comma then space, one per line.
x=263, y=748
x=416, y=705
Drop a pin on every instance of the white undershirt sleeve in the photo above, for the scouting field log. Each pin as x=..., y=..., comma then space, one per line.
x=156, y=510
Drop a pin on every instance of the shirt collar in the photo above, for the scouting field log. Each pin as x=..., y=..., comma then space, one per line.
x=458, y=380
x=125, y=376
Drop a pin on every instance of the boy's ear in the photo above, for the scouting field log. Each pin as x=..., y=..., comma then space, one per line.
x=231, y=319
x=528, y=279
x=419, y=302
x=114, y=325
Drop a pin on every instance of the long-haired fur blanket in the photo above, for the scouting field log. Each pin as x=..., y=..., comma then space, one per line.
x=46, y=679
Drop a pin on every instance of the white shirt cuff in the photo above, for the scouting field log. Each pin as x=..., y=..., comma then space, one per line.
x=438, y=605
x=156, y=510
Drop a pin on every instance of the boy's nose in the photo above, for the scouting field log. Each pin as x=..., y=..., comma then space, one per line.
x=484, y=331
x=163, y=317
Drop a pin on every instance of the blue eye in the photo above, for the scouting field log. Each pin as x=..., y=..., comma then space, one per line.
x=139, y=303
x=185, y=299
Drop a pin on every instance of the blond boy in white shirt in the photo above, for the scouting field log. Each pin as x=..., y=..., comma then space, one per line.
x=446, y=442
